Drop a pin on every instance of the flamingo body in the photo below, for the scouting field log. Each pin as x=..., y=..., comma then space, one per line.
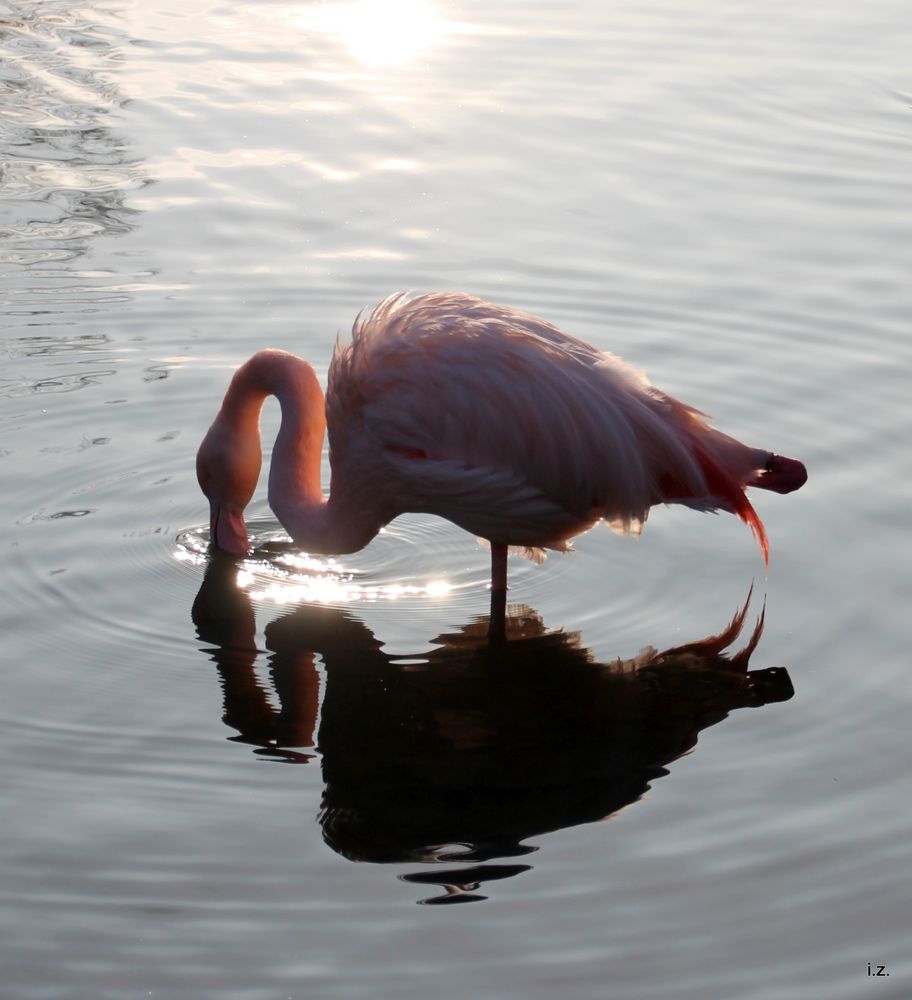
x=486, y=416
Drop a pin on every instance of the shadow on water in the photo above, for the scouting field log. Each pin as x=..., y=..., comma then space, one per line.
x=463, y=753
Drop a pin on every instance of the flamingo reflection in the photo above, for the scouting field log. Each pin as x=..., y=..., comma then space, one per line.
x=468, y=751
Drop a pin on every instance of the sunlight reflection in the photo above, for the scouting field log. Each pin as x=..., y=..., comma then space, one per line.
x=331, y=589
x=290, y=578
x=315, y=580
x=378, y=34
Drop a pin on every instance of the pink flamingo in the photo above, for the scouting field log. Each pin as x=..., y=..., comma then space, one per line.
x=489, y=417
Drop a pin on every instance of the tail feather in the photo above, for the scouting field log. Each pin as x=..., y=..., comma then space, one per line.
x=723, y=490
x=713, y=645
x=723, y=485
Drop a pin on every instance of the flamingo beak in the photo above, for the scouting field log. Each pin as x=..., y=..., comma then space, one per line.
x=227, y=530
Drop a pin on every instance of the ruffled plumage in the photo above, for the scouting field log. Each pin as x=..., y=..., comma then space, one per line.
x=513, y=430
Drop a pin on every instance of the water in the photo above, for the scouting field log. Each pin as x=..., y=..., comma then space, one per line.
x=719, y=193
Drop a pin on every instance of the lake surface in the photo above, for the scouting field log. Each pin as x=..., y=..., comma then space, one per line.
x=718, y=192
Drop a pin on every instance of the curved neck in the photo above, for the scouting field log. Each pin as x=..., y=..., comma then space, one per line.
x=316, y=523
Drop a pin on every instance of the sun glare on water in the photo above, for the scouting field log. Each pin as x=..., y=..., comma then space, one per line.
x=298, y=578
x=314, y=581
x=387, y=33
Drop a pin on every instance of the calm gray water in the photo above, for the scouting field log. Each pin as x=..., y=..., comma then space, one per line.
x=720, y=192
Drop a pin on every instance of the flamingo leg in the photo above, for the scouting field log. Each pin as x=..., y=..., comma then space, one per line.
x=497, y=627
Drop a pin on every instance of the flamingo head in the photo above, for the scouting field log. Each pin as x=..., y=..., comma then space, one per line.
x=227, y=468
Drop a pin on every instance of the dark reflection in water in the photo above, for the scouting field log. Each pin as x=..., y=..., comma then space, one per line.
x=463, y=753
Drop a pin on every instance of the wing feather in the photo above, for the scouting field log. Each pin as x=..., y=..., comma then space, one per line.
x=500, y=422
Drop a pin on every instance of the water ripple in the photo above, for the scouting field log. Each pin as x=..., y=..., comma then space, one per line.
x=65, y=171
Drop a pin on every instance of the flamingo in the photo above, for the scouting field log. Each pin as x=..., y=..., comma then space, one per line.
x=487, y=416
